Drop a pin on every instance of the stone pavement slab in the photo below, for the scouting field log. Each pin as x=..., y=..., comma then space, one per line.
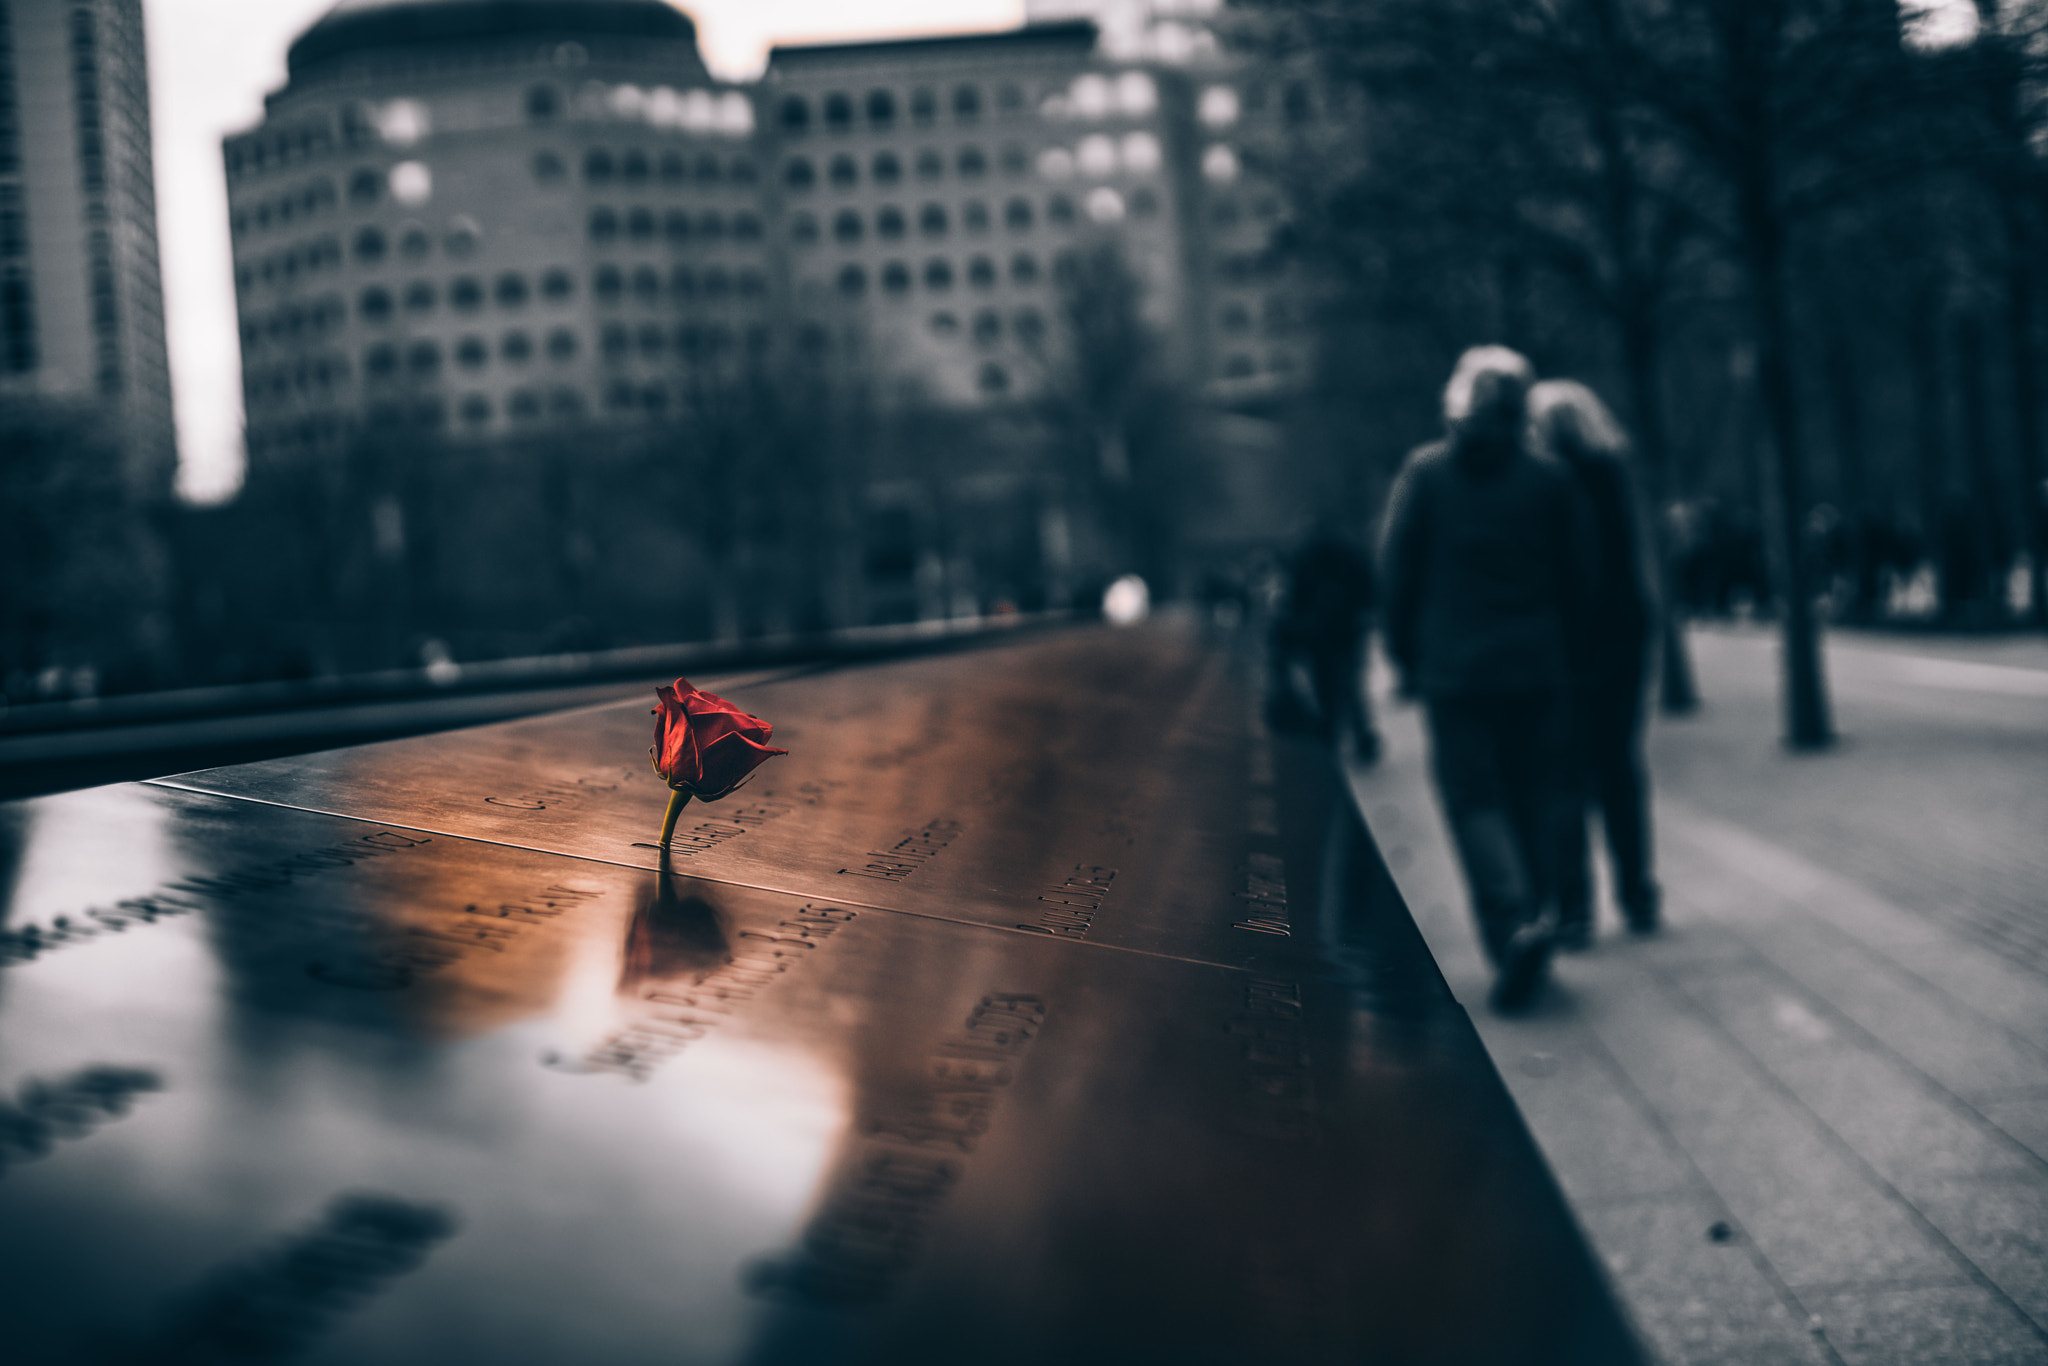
x=1808, y=1121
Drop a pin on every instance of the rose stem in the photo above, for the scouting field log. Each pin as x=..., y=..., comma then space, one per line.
x=677, y=800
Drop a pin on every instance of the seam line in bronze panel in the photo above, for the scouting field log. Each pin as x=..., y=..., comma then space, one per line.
x=701, y=877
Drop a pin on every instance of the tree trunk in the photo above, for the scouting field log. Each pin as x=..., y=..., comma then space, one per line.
x=1807, y=724
x=2026, y=399
x=1678, y=693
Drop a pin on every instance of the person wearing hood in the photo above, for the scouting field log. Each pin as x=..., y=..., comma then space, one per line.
x=1613, y=672
x=1485, y=573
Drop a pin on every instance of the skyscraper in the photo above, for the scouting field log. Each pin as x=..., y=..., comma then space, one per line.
x=81, y=295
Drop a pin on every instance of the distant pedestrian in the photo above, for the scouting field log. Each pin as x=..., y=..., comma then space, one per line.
x=1612, y=673
x=1321, y=630
x=1484, y=575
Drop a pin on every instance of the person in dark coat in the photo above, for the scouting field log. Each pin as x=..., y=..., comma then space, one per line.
x=1613, y=669
x=1323, y=626
x=1484, y=574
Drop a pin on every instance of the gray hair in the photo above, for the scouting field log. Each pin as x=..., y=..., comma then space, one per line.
x=1567, y=414
x=1509, y=372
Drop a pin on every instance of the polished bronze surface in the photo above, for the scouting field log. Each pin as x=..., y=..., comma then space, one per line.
x=421, y=1076
x=1077, y=788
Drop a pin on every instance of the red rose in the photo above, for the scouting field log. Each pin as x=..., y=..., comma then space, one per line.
x=704, y=745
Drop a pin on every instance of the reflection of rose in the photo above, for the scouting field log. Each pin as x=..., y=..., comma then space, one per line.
x=704, y=746
x=673, y=934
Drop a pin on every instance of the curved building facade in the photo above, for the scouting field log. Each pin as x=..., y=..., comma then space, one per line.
x=482, y=217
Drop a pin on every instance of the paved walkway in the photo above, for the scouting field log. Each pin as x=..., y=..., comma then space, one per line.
x=1809, y=1122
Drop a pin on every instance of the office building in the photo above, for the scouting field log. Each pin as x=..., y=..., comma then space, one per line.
x=81, y=296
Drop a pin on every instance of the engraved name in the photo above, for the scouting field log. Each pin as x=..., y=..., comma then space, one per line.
x=543, y=797
x=1070, y=907
x=426, y=949
x=729, y=825
x=187, y=894
x=685, y=1013
x=873, y=1225
x=1265, y=889
x=1280, y=1084
x=908, y=854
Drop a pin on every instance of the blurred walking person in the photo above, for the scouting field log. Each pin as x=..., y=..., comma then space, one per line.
x=1321, y=630
x=1612, y=670
x=1484, y=574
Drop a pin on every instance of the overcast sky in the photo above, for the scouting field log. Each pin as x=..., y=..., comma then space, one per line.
x=212, y=61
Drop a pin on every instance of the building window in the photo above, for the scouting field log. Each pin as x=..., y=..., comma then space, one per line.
x=930, y=165
x=966, y=103
x=511, y=290
x=974, y=216
x=614, y=341
x=633, y=167
x=752, y=284
x=414, y=244
x=799, y=174
x=647, y=285
x=365, y=186
x=471, y=353
x=938, y=273
x=924, y=105
x=846, y=227
x=607, y=284
x=420, y=297
x=853, y=281
x=1060, y=210
x=803, y=229
x=604, y=225
x=523, y=406
x=1235, y=318
x=708, y=171
x=711, y=225
x=746, y=226
x=618, y=395
x=640, y=224
x=1029, y=326
x=653, y=340
x=742, y=171
x=1009, y=99
x=896, y=277
x=561, y=345
x=557, y=285
x=381, y=361
x=1145, y=203
x=370, y=245
x=716, y=283
x=423, y=359
x=889, y=223
x=988, y=327
x=1017, y=215
x=682, y=284
x=838, y=111
x=675, y=225
x=597, y=166
x=931, y=220
x=981, y=273
x=542, y=104
x=374, y=306
x=476, y=410
x=672, y=169
x=887, y=168
x=796, y=114
x=971, y=162
x=1024, y=269
x=993, y=379
x=944, y=325
x=844, y=173
x=465, y=293
x=565, y=403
